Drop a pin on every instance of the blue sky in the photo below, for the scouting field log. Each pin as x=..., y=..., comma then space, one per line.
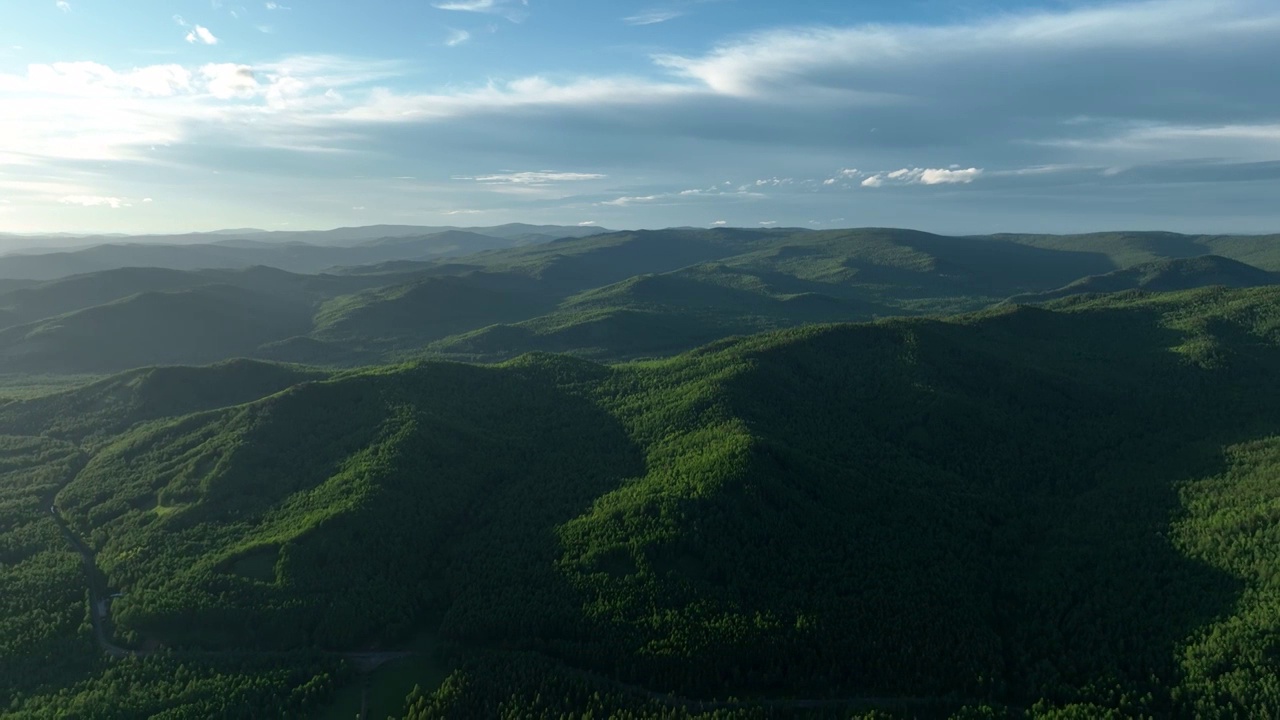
x=960, y=117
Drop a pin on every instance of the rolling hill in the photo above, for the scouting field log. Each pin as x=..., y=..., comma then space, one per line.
x=1167, y=275
x=202, y=325
x=607, y=296
x=304, y=252
x=1010, y=511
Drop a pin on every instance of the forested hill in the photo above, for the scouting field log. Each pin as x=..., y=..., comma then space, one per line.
x=45, y=258
x=605, y=296
x=1164, y=276
x=1055, y=511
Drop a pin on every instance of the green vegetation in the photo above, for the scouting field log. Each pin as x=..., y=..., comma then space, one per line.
x=1163, y=276
x=1065, y=509
x=177, y=689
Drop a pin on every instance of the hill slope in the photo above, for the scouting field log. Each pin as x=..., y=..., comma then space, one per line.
x=196, y=326
x=306, y=252
x=1164, y=276
x=1012, y=507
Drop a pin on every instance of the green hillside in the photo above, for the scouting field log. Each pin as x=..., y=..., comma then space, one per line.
x=1164, y=276
x=1009, y=509
x=757, y=281
x=201, y=325
x=112, y=406
x=427, y=309
x=1126, y=249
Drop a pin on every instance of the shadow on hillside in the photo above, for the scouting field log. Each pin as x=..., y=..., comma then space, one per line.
x=1005, y=267
x=981, y=509
x=459, y=534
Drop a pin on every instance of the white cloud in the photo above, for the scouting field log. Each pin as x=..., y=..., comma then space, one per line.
x=510, y=9
x=795, y=58
x=768, y=223
x=632, y=200
x=923, y=176
x=228, y=80
x=918, y=86
x=468, y=5
x=720, y=222
x=94, y=80
x=114, y=203
x=533, y=91
x=652, y=17
x=277, y=6
x=201, y=34
x=63, y=5
x=532, y=178
x=685, y=196
x=586, y=223
x=457, y=37
x=949, y=177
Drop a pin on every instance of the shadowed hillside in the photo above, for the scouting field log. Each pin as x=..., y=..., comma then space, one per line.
x=1164, y=276
x=201, y=325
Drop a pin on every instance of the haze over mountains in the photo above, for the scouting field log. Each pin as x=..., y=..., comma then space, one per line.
x=605, y=295
x=296, y=251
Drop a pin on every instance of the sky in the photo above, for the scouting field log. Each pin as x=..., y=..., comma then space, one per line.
x=158, y=116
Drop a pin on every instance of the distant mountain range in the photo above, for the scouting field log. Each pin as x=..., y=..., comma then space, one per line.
x=50, y=257
x=464, y=295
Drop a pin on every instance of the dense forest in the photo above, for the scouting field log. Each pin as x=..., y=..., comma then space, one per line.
x=697, y=474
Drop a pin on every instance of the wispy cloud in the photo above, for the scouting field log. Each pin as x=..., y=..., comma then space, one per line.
x=632, y=200
x=201, y=34
x=652, y=17
x=954, y=175
x=457, y=37
x=697, y=195
x=543, y=177
x=276, y=6
x=1118, y=85
x=115, y=203
x=513, y=10
x=63, y=5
